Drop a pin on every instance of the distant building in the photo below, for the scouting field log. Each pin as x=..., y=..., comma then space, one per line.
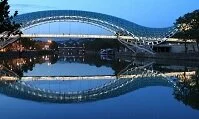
x=71, y=51
x=46, y=47
x=176, y=46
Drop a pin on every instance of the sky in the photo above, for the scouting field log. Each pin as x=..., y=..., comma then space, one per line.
x=150, y=13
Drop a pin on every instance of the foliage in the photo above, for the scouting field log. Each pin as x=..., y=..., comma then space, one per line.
x=188, y=91
x=6, y=21
x=98, y=44
x=27, y=43
x=188, y=25
x=53, y=45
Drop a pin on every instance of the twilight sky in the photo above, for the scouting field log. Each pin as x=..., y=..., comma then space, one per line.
x=151, y=13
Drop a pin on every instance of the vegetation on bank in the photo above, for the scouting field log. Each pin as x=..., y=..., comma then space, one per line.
x=188, y=26
x=91, y=44
x=98, y=44
x=188, y=90
x=6, y=20
x=27, y=44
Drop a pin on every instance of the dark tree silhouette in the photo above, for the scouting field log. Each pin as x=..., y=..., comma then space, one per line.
x=6, y=21
x=188, y=26
x=188, y=91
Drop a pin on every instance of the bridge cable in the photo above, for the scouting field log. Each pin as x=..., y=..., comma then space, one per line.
x=49, y=28
x=59, y=27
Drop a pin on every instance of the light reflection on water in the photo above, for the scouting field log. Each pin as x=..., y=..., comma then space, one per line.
x=150, y=101
x=68, y=69
x=67, y=86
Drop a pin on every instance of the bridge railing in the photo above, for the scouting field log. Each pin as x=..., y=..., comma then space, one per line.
x=7, y=38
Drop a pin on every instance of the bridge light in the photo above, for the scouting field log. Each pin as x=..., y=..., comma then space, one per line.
x=49, y=64
x=49, y=41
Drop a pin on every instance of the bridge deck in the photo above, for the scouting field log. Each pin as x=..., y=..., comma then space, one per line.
x=72, y=36
x=104, y=77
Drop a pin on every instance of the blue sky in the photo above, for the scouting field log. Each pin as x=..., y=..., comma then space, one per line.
x=151, y=13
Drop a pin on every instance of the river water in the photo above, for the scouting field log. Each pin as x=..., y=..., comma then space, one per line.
x=98, y=87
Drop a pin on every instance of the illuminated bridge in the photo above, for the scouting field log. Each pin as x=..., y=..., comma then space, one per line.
x=139, y=36
x=141, y=78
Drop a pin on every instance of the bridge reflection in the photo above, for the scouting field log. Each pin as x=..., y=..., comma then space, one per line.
x=130, y=80
x=77, y=89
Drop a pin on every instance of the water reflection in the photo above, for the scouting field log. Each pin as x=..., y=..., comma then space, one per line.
x=133, y=79
x=26, y=64
x=189, y=90
x=127, y=77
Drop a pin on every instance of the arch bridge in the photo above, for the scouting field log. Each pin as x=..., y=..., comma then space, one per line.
x=138, y=37
x=130, y=79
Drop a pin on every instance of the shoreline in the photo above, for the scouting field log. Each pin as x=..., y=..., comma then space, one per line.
x=164, y=56
x=158, y=56
x=14, y=54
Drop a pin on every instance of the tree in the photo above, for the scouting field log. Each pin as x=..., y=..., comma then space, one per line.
x=187, y=90
x=188, y=27
x=27, y=43
x=53, y=45
x=6, y=21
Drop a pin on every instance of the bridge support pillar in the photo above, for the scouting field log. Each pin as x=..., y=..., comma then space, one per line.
x=135, y=48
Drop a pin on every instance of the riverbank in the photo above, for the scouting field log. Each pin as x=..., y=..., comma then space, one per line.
x=173, y=56
x=13, y=54
x=125, y=55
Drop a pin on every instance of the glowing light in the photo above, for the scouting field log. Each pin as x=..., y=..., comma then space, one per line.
x=49, y=64
x=49, y=41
